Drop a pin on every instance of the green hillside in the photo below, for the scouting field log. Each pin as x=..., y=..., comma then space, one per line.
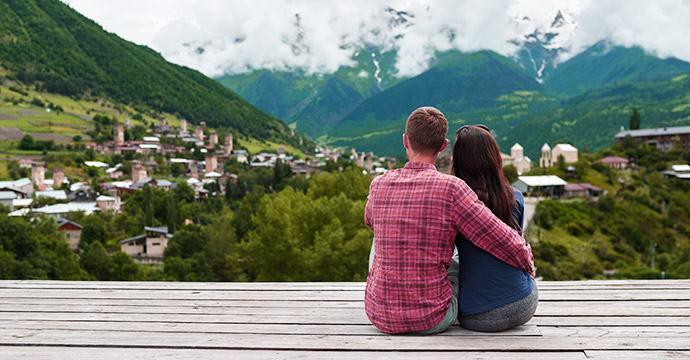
x=315, y=102
x=46, y=44
x=604, y=64
x=459, y=85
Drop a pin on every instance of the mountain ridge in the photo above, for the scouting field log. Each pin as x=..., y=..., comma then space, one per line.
x=47, y=44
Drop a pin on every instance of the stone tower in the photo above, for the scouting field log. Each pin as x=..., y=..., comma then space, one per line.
x=212, y=140
x=58, y=177
x=227, y=149
x=119, y=134
x=545, y=159
x=517, y=151
x=211, y=163
x=183, y=125
x=199, y=133
x=138, y=171
x=38, y=175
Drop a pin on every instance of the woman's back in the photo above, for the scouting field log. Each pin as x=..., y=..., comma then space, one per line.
x=485, y=281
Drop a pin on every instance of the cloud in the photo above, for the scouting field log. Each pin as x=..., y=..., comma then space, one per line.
x=660, y=27
x=219, y=37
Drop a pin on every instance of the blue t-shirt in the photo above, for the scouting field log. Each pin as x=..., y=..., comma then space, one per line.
x=486, y=282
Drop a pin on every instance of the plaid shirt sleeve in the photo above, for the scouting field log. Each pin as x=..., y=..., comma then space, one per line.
x=481, y=227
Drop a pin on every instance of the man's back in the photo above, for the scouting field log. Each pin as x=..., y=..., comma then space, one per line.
x=411, y=213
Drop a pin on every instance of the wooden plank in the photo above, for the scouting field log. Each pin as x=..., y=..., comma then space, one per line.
x=53, y=353
x=350, y=318
x=290, y=329
x=632, y=355
x=544, y=309
x=316, y=285
x=336, y=342
x=357, y=330
x=609, y=321
x=320, y=295
x=307, y=295
x=624, y=306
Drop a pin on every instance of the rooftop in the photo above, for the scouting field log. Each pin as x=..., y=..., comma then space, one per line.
x=613, y=160
x=542, y=180
x=136, y=320
x=53, y=194
x=677, y=130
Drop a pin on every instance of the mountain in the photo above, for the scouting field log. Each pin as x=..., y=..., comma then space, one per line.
x=46, y=43
x=458, y=83
x=315, y=102
x=542, y=40
x=605, y=64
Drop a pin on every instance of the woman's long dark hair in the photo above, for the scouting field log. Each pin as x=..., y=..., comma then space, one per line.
x=477, y=161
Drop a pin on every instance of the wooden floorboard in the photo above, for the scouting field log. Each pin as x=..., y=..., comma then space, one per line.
x=140, y=320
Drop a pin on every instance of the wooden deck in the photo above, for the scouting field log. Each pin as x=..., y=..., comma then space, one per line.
x=99, y=320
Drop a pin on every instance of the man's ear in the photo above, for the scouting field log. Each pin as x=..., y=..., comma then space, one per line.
x=445, y=143
x=406, y=142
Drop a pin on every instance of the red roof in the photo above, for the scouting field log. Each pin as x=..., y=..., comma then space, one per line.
x=613, y=160
x=581, y=187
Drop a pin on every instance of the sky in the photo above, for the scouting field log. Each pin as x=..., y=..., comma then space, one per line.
x=220, y=37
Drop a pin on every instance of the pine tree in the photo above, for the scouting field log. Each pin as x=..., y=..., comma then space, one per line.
x=635, y=120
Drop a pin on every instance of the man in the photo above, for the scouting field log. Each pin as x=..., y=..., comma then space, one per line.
x=415, y=213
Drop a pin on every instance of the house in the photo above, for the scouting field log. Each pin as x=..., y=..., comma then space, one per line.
x=26, y=163
x=546, y=185
x=664, y=139
x=72, y=232
x=147, y=248
x=23, y=186
x=549, y=157
x=615, y=162
x=517, y=158
x=114, y=173
x=162, y=184
x=52, y=194
x=98, y=164
x=7, y=199
x=60, y=210
x=678, y=171
x=240, y=155
x=582, y=190
x=108, y=203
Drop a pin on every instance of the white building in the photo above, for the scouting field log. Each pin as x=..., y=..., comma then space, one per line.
x=518, y=159
x=547, y=185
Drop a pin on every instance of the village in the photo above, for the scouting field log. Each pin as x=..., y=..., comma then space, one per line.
x=25, y=196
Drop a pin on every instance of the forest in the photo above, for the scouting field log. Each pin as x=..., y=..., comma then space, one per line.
x=272, y=226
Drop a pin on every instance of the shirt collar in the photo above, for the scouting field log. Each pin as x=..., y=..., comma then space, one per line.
x=420, y=165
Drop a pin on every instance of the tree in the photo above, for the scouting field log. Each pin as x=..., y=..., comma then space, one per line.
x=635, y=119
x=96, y=262
x=172, y=213
x=26, y=143
x=93, y=230
x=510, y=172
x=281, y=171
x=149, y=206
x=123, y=268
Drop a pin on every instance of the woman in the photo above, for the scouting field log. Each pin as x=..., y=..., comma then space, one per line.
x=494, y=296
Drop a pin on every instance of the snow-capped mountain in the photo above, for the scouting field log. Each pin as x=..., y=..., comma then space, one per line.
x=542, y=40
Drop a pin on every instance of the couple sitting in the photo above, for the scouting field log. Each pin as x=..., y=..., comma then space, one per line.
x=447, y=247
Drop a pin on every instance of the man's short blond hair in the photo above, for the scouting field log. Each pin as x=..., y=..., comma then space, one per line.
x=426, y=130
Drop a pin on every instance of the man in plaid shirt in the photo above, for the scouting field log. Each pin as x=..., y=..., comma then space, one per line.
x=415, y=213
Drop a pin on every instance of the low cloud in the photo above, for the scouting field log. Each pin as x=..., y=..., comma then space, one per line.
x=219, y=37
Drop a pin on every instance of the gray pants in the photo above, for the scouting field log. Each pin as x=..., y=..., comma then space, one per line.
x=505, y=317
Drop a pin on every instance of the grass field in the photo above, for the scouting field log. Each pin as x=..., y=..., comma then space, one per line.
x=256, y=146
x=80, y=107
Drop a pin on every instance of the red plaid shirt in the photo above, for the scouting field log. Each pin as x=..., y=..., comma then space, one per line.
x=415, y=213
